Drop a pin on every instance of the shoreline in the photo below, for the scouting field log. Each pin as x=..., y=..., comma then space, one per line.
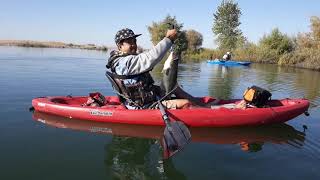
x=51, y=44
x=193, y=57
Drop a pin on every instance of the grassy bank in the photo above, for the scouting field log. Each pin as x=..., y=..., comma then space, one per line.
x=50, y=44
x=300, y=57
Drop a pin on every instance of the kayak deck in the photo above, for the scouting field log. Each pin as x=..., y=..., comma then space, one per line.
x=114, y=111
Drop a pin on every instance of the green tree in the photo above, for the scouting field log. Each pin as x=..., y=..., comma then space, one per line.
x=226, y=25
x=278, y=42
x=158, y=31
x=194, y=40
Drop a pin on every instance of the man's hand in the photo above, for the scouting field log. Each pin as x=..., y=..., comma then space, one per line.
x=172, y=34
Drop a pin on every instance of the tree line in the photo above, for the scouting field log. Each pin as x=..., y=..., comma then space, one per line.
x=302, y=50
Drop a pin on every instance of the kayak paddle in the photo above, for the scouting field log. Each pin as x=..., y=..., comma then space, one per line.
x=176, y=135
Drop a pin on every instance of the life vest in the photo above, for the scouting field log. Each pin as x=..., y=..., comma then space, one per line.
x=226, y=57
x=140, y=93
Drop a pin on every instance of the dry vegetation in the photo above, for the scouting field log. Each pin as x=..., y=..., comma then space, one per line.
x=50, y=44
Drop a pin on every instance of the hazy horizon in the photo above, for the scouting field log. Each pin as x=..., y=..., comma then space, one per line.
x=96, y=22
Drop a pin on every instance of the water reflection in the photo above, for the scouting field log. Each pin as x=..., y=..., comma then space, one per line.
x=293, y=81
x=251, y=139
x=136, y=158
x=125, y=149
x=129, y=158
x=309, y=82
x=223, y=80
x=135, y=152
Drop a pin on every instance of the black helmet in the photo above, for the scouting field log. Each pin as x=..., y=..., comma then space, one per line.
x=125, y=33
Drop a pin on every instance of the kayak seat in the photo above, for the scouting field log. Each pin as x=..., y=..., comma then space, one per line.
x=113, y=100
x=59, y=101
x=115, y=86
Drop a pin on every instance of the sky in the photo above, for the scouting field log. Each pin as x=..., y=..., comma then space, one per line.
x=96, y=22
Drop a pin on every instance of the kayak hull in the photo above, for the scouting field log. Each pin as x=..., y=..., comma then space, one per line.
x=229, y=63
x=114, y=112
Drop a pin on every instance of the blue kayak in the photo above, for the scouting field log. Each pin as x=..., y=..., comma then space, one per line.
x=229, y=63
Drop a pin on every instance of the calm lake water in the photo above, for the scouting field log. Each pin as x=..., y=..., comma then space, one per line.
x=66, y=149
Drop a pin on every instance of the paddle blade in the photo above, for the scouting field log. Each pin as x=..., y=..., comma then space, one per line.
x=175, y=137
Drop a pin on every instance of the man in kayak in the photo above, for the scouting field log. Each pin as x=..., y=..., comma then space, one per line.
x=131, y=71
x=227, y=56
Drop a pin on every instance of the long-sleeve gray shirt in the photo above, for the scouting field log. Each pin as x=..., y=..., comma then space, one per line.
x=143, y=62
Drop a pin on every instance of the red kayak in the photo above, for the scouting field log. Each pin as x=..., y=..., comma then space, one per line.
x=114, y=111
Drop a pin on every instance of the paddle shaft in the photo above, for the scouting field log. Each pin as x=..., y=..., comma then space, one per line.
x=165, y=117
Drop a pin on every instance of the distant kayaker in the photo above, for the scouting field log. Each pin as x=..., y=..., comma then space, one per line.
x=227, y=56
x=131, y=70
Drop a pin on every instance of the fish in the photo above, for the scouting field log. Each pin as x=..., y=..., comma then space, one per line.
x=170, y=72
x=169, y=84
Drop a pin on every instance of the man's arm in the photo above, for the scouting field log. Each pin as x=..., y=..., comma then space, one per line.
x=143, y=62
x=136, y=64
